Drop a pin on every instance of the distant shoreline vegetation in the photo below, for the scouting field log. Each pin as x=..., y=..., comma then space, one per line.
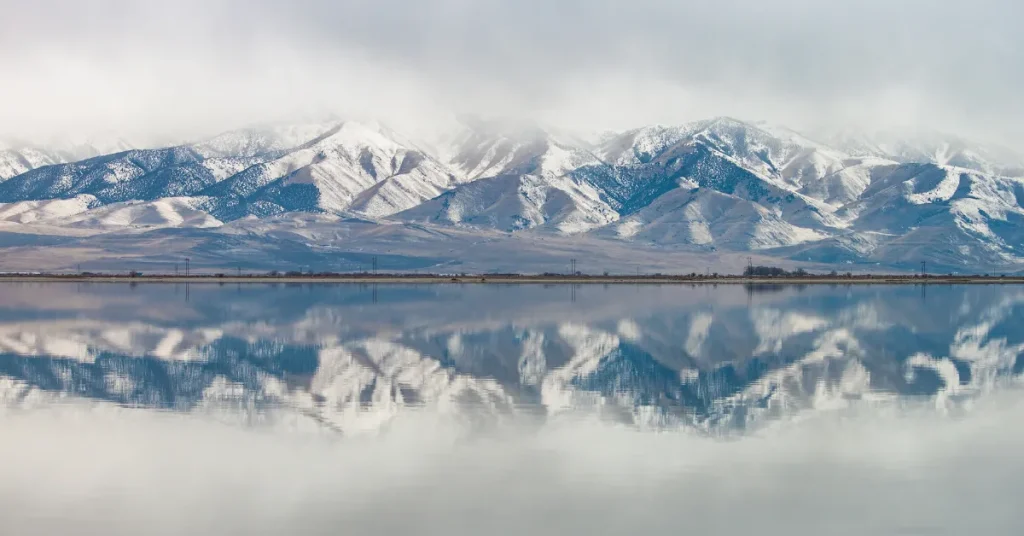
x=751, y=274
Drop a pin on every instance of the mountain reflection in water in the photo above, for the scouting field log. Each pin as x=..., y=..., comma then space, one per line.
x=351, y=357
x=346, y=409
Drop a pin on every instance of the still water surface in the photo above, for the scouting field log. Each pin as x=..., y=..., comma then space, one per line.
x=448, y=409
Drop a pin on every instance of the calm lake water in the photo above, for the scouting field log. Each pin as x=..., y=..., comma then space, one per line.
x=449, y=409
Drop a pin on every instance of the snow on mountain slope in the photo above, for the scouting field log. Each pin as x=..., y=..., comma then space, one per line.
x=708, y=218
x=520, y=177
x=257, y=141
x=809, y=186
x=82, y=212
x=845, y=185
x=43, y=211
x=489, y=148
x=951, y=217
x=15, y=160
x=332, y=168
x=517, y=202
x=900, y=197
x=694, y=163
x=924, y=147
x=165, y=212
x=133, y=175
x=641, y=145
x=155, y=173
x=992, y=209
x=907, y=197
x=485, y=150
x=729, y=156
x=352, y=168
x=775, y=154
x=20, y=157
x=785, y=158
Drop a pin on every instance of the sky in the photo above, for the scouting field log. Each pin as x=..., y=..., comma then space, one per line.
x=185, y=68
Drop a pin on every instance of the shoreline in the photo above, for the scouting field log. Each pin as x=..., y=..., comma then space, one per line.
x=396, y=279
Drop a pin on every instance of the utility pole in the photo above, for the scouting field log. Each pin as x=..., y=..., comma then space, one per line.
x=374, y=259
x=239, y=271
x=187, y=260
x=924, y=268
x=750, y=266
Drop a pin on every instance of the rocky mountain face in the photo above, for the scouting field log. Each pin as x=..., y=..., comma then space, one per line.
x=716, y=185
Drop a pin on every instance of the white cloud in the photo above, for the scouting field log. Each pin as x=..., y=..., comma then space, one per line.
x=104, y=470
x=188, y=66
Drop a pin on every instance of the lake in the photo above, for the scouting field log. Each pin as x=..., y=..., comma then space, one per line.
x=511, y=409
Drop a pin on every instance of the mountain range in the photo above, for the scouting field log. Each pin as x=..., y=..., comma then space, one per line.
x=714, y=187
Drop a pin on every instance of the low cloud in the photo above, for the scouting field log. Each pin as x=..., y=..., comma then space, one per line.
x=187, y=67
x=97, y=469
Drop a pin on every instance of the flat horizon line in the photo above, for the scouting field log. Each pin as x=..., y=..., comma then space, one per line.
x=390, y=278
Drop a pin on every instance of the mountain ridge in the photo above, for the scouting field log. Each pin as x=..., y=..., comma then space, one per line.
x=715, y=184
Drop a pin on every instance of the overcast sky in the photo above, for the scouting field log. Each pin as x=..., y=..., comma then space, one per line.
x=186, y=67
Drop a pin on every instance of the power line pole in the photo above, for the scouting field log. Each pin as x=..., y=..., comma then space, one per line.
x=187, y=260
x=924, y=268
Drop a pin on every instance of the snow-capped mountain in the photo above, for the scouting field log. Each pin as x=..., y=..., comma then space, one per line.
x=517, y=177
x=910, y=146
x=351, y=167
x=335, y=168
x=139, y=175
x=17, y=157
x=715, y=185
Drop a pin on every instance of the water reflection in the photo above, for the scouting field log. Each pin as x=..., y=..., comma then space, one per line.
x=350, y=358
x=463, y=409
